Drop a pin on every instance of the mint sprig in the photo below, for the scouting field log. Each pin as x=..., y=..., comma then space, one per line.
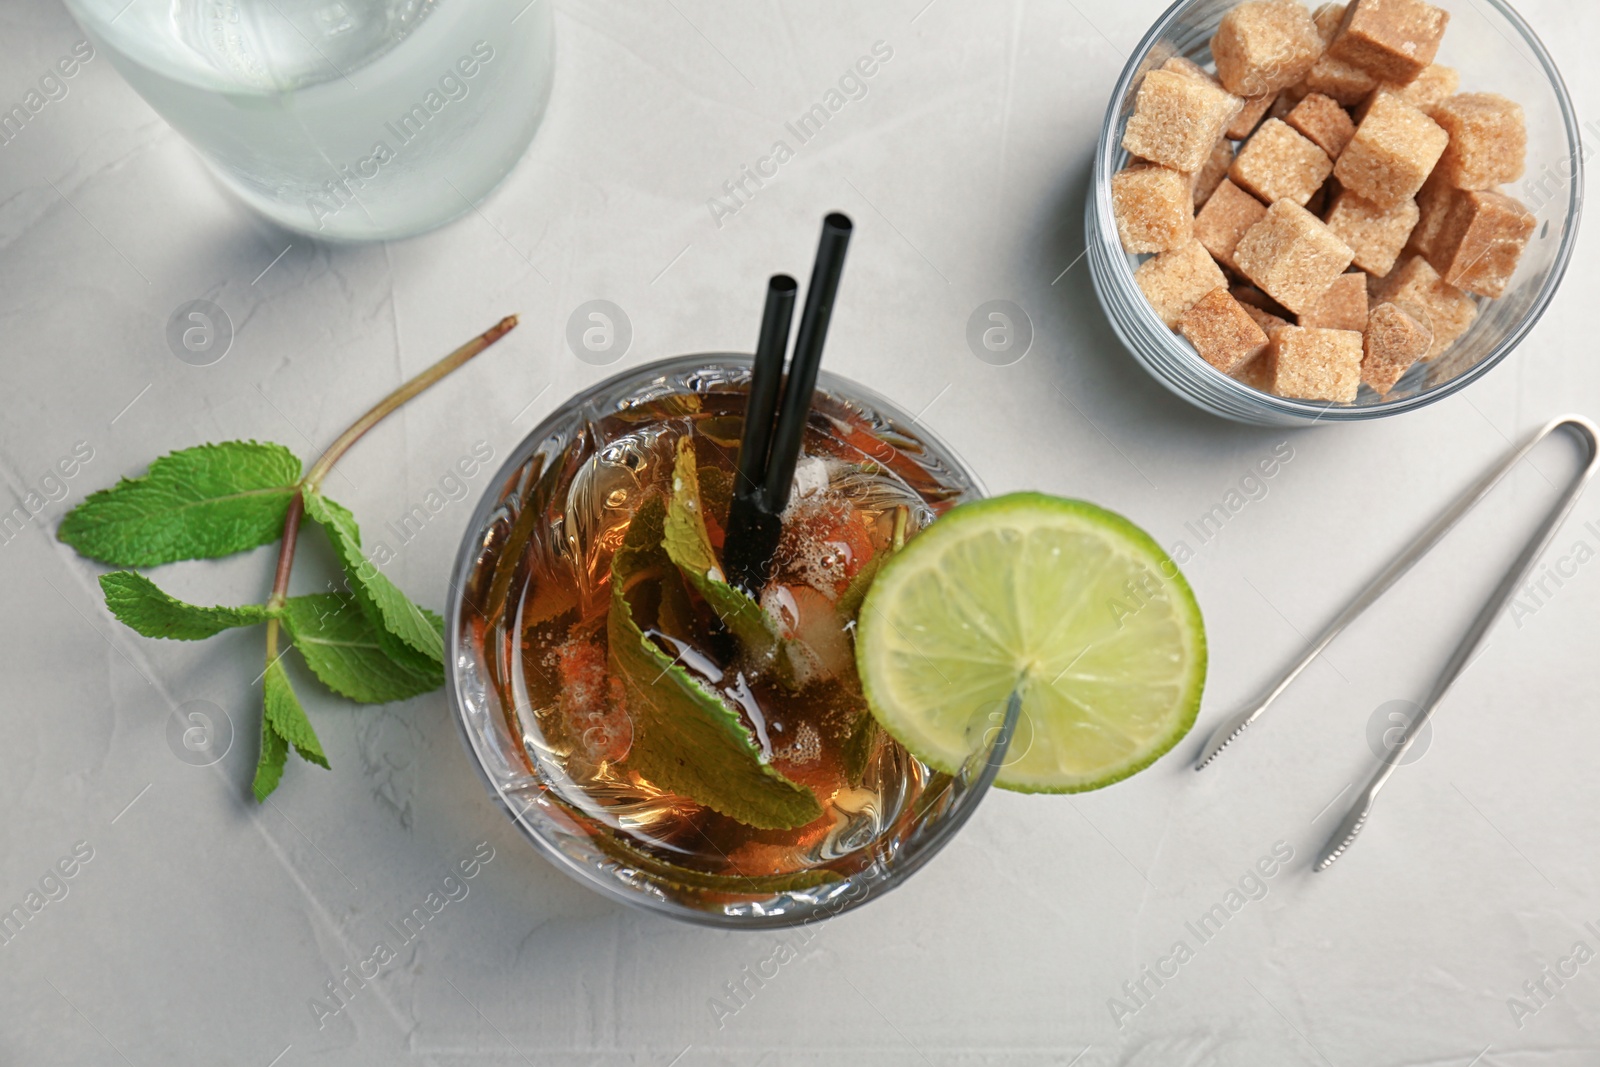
x=373, y=646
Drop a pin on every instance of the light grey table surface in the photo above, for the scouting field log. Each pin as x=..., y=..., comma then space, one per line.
x=204, y=926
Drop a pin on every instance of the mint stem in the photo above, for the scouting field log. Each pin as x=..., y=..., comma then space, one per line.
x=319, y=470
x=382, y=408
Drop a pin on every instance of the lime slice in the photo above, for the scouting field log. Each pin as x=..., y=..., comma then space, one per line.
x=1073, y=603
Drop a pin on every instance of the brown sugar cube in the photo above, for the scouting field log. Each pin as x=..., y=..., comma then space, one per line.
x=1429, y=89
x=1393, y=152
x=1250, y=116
x=1330, y=192
x=1394, y=40
x=1438, y=305
x=1154, y=208
x=1480, y=242
x=1488, y=140
x=1342, y=307
x=1225, y=218
x=1271, y=317
x=1287, y=100
x=1327, y=19
x=1222, y=331
x=1394, y=340
x=1213, y=173
x=1177, y=120
x=1175, y=280
x=1341, y=81
x=1306, y=363
x=1263, y=46
x=1375, y=234
x=1250, y=296
x=1279, y=164
x=1332, y=77
x=1190, y=69
x=1323, y=122
x=1360, y=111
x=1433, y=206
x=1318, y=202
x=1268, y=322
x=1257, y=374
x=1255, y=371
x=1292, y=256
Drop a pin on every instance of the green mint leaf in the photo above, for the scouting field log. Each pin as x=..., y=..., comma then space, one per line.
x=341, y=646
x=849, y=603
x=269, y=767
x=725, y=430
x=688, y=545
x=199, y=503
x=716, y=490
x=687, y=738
x=139, y=604
x=392, y=612
x=286, y=717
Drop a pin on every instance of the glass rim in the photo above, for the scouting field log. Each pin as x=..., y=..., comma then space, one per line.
x=945, y=824
x=1283, y=409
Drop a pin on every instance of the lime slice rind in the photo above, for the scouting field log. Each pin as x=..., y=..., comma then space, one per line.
x=1072, y=602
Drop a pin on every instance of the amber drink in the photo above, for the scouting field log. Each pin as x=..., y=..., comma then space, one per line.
x=660, y=732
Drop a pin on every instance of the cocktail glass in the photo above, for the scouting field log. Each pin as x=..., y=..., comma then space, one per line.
x=571, y=740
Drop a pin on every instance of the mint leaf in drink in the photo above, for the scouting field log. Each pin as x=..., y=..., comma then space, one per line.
x=139, y=604
x=716, y=493
x=849, y=603
x=725, y=430
x=687, y=736
x=287, y=718
x=688, y=544
x=397, y=619
x=198, y=503
x=340, y=645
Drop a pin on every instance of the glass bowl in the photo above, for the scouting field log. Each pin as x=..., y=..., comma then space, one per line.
x=529, y=512
x=1495, y=51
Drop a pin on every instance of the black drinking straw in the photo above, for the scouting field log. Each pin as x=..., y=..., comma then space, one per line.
x=802, y=380
x=766, y=472
x=753, y=530
x=766, y=379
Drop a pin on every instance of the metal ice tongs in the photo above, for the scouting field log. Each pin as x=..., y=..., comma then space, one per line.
x=1345, y=833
